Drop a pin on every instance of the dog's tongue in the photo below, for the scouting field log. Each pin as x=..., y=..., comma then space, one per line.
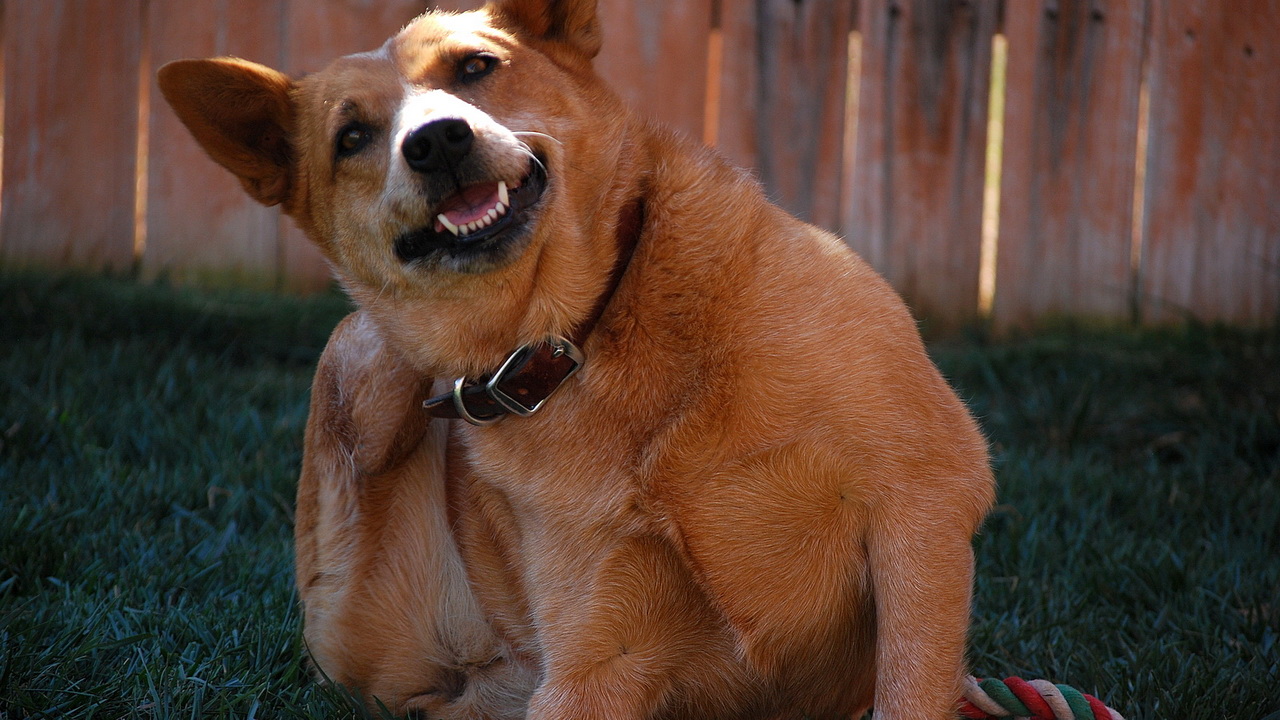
x=469, y=204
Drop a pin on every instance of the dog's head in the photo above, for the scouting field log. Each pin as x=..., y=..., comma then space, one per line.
x=456, y=178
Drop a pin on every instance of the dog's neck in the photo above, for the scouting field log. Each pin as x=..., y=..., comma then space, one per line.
x=533, y=372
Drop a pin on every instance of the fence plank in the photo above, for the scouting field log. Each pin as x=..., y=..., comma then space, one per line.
x=916, y=208
x=655, y=56
x=316, y=33
x=199, y=220
x=1212, y=246
x=70, y=146
x=1070, y=139
x=783, y=96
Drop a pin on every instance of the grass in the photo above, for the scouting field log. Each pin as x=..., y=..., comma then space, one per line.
x=150, y=446
x=151, y=439
x=1135, y=552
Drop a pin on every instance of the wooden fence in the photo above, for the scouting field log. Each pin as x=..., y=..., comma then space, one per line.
x=1018, y=158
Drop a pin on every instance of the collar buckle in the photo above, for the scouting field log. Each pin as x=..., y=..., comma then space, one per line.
x=525, y=381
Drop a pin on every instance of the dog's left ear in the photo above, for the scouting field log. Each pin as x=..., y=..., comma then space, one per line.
x=570, y=22
x=241, y=114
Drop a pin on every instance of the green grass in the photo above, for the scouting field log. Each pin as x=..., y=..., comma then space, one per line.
x=1135, y=549
x=150, y=446
x=150, y=439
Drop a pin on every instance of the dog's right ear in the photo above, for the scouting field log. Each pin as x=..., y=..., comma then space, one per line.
x=572, y=23
x=241, y=114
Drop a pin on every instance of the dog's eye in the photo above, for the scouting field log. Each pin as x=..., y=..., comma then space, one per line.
x=352, y=139
x=474, y=67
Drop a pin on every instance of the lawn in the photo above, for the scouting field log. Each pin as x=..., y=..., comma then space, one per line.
x=150, y=439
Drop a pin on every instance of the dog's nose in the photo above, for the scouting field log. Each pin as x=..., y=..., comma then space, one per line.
x=438, y=145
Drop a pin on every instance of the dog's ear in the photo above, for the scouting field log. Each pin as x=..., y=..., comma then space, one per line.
x=570, y=22
x=241, y=114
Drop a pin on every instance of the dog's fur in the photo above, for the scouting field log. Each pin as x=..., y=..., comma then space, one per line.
x=756, y=499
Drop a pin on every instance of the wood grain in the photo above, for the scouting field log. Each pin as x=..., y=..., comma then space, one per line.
x=767, y=81
x=1070, y=139
x=783, y=99
x=70, y=132
x=916, y=206
x=655, y=56
x=1212, y=241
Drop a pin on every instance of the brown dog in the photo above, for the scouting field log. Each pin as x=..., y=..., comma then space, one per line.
x=754, y=499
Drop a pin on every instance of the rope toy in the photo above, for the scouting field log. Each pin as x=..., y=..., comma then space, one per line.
x=1035, y=699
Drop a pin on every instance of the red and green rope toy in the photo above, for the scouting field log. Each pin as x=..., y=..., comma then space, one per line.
x=1036, y=699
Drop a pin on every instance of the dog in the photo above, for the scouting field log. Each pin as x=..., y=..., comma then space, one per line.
x=609, y=435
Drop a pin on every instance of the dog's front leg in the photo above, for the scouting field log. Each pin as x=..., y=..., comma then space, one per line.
x=922, y=575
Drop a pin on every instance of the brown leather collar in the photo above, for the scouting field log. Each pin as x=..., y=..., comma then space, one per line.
x=533, y=372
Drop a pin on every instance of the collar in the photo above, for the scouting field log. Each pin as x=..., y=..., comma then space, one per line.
x=531, y=374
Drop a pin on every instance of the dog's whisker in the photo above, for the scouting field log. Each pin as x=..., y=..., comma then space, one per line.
x=525, y=149
x=386, y=285
x=533, y=156
x=533, y=133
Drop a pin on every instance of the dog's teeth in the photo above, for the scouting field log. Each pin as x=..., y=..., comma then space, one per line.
x=448, y=225
x=483, y=221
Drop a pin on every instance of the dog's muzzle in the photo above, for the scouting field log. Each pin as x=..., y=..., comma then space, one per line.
x=481, y=213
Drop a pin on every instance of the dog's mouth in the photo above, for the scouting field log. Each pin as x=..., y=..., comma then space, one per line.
x=477, y=218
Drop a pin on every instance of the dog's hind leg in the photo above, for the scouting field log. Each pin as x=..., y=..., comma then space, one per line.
x=387, y=606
